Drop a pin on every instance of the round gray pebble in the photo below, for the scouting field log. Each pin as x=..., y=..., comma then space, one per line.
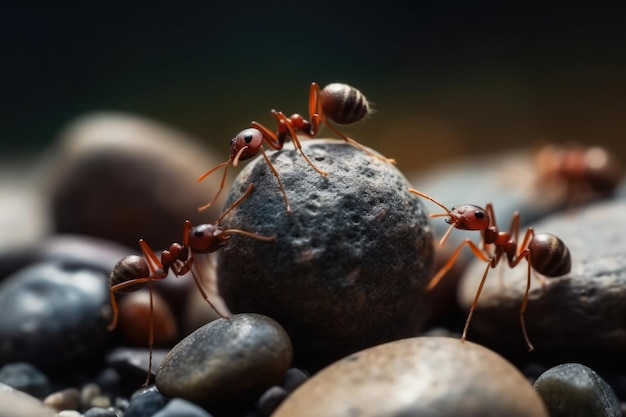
x=422, y=376
x=53, y=313
x=575, y=390
x=226, y=360
x=145, y=403
x=580, y=313
x=348, y=265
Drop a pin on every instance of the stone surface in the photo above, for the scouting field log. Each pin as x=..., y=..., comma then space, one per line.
x=226, y=360
x=575, y=390
x=180, y=408
x=348, y=265
x=53, y=313
x=580, y=313
x=18, y=404
x=423, y=376
x=123, y=177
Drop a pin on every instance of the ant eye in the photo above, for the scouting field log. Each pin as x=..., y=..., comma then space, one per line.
x=198, y=232
x=479, y=214
x=248, y=138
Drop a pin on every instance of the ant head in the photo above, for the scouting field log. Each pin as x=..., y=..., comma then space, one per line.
x=469, y=217
x=246, y=144
x=206, y=238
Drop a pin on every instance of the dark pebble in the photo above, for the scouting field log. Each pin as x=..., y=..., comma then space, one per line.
x=145, y=403
x=54, y=313
x=294, y=378
x=575, y=390
x=227, y=360
x=271, y=399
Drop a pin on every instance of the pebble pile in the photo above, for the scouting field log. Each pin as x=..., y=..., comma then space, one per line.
x=331, y=319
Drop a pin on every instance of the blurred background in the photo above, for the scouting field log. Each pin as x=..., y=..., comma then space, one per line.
x=446, y=80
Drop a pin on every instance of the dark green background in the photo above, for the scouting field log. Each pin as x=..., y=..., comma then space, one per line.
x=446, y=80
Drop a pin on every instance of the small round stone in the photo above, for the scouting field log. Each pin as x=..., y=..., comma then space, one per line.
x=581, y=312
x=135, y=316
x=54, y=313
x=226, y=360
x=349, y=263
x=575, y=390
x=271, y=399
x=145, y=403
x=66, y=399
x=422, y=376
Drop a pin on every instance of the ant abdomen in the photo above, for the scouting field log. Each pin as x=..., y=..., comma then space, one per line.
x=344, y=104
x=127, y=269
x=549, y=255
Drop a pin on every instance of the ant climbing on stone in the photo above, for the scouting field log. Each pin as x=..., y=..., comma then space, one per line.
x=133, y=272
x=337, y=102
x=545, y=253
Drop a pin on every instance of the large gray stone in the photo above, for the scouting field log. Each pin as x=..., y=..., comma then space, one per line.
x=349, y=263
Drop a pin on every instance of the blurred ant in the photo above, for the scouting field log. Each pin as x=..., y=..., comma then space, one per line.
x=337, y=102
x=583, y=173
x=545, y=253
x=133, y=272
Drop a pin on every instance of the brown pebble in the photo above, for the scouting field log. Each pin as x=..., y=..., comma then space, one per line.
x=66, y=399
x=134, y=318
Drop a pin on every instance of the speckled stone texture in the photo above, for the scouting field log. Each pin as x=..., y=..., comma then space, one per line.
x=349, y=263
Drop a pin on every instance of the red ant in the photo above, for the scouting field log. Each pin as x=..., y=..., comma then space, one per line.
x=133, y=272
x=337, y=102
x=584, y=173
x=545, y=253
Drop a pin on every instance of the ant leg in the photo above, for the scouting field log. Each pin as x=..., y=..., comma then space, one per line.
x=280, y=183
x=522, y=310
x=283, y=120
x=119, y=287
x=475, y=250
x=476, y=297
x=204, y=294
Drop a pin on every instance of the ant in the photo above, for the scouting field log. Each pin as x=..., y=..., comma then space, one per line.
x=133, y=272
x=583, y=173
x=545, y=253
x=337, y=102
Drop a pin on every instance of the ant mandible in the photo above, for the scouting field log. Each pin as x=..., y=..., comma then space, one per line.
x=337, y=102
x=545, y=253
x=133, y=272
